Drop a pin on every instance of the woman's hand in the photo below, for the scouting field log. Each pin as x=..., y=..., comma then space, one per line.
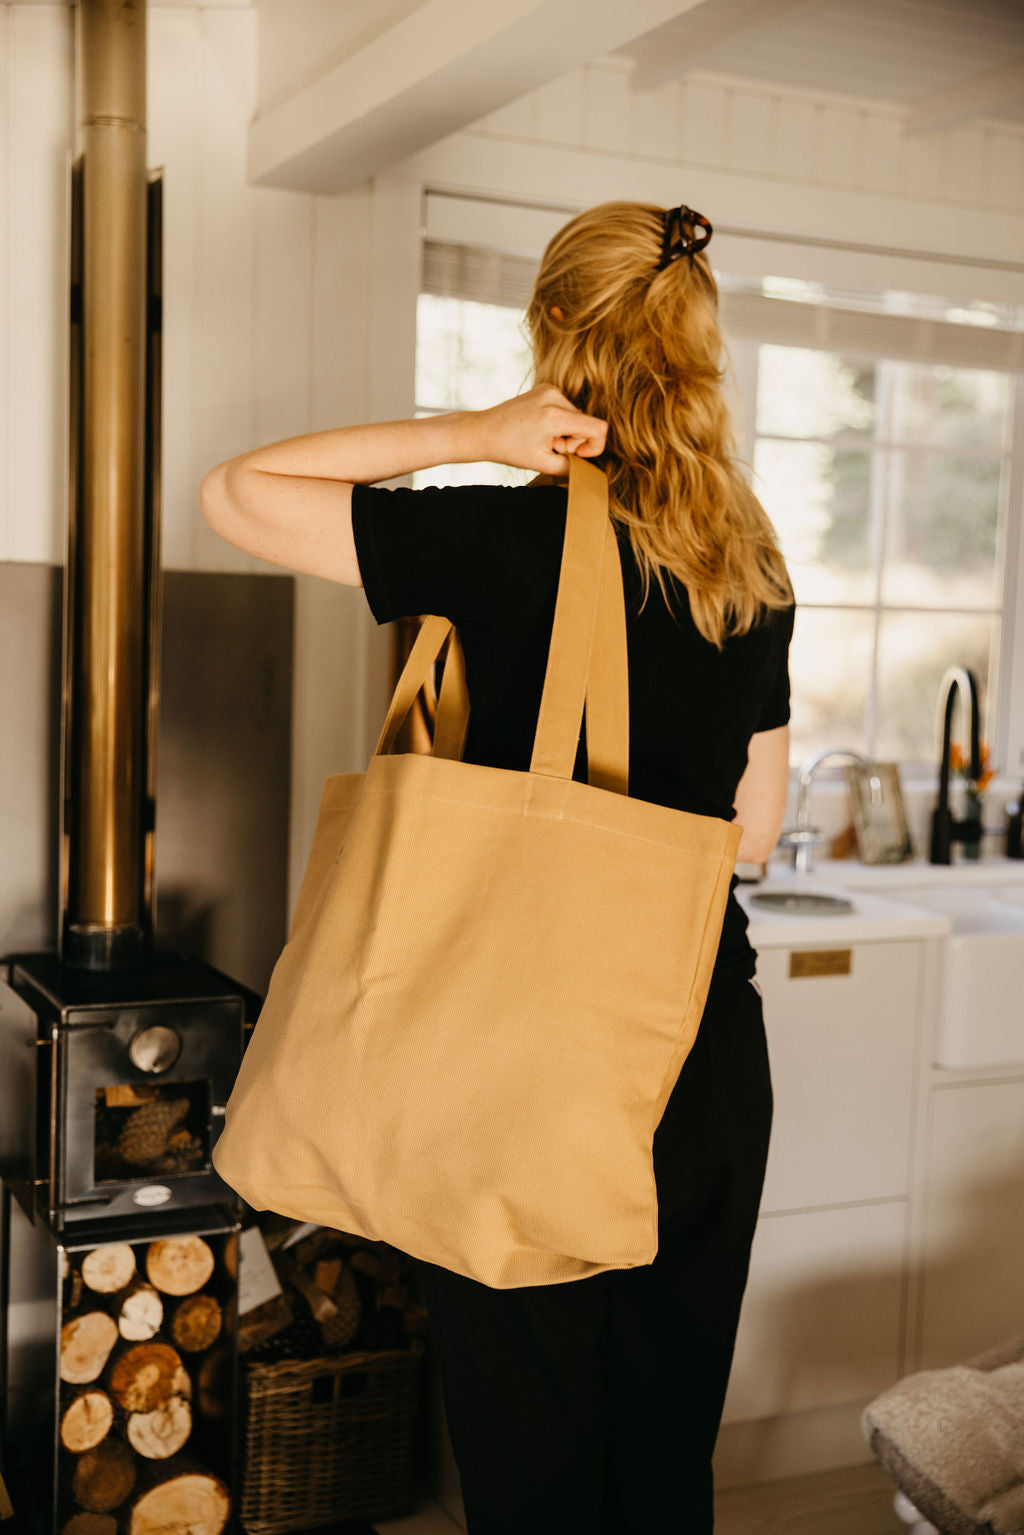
x=537, y=430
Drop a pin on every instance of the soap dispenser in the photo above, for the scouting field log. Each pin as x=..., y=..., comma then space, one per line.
x=1014, y=823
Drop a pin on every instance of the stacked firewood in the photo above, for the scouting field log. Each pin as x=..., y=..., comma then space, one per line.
x=144, y=1356
x=338, y=1293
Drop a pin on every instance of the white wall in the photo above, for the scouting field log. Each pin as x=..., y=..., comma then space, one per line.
x=267, y=333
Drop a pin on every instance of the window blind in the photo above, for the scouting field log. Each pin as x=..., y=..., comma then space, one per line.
x=494, y=277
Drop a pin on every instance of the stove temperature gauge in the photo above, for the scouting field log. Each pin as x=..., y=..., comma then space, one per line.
x=155, y=1049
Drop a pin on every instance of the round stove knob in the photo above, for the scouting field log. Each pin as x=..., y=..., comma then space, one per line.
x=156, y=1048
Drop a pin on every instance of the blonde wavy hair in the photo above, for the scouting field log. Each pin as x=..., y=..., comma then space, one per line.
x=641, y=348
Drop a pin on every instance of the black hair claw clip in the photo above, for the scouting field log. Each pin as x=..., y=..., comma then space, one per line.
x=681, y=238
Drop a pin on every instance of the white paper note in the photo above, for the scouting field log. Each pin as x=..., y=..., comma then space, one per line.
x=257, y=1279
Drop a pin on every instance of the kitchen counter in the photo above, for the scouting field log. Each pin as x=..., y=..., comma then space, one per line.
x=874, y=918
x=914, y=873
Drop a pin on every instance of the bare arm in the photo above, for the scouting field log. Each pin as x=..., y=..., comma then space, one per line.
x=291, y=501
x=761, y=794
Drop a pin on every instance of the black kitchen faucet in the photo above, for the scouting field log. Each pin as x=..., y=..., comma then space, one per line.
x=958, y=682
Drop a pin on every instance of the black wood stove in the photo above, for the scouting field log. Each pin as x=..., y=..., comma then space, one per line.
x=115, y=1085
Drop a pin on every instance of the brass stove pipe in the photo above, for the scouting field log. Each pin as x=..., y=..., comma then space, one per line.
x=104, y=921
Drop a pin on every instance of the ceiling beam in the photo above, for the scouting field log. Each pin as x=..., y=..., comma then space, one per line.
x=669, y=58
x=439, y=69
x=973, y=97
x=986, y=241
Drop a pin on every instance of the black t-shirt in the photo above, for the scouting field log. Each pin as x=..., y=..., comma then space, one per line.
x=488, y=558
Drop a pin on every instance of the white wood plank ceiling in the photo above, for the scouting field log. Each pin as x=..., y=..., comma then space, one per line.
x=948, y=60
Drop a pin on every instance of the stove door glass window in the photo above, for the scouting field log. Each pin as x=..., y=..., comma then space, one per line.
x=146, y=1130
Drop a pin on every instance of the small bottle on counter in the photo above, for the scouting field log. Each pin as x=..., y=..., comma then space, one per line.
x=1014, y=825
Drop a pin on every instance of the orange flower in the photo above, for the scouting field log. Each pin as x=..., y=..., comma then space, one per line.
x=958, y=764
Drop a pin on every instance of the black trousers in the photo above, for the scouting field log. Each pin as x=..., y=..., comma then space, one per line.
x=592, y=1407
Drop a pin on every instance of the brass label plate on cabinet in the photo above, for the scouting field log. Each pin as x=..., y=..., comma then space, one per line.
x=819, y=962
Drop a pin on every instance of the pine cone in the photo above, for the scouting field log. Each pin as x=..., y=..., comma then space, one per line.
x=146, y=1131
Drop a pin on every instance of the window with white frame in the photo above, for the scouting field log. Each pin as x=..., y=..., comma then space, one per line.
x=887, y=482
x=887, y=478
x=469, y=355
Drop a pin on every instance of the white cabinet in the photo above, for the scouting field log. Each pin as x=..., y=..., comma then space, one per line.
x=972, y=1240
x=842, y=1049
x=891, y=1229
x=820, y=1322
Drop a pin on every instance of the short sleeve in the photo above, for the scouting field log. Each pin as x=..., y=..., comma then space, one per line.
x=471, y=553
x=775, y=696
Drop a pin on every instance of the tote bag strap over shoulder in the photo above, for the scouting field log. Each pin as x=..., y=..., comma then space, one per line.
x=587, y=658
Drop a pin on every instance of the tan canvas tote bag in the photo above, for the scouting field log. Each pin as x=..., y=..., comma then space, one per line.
x=492, y=977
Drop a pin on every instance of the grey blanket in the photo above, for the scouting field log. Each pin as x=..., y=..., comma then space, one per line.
x=953, y=1441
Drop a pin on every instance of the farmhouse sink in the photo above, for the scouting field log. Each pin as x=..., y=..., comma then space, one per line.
x=981, y=1001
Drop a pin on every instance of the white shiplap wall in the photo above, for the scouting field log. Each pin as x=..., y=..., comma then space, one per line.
x=238, y=293
x=35, y=127
x=268, y=320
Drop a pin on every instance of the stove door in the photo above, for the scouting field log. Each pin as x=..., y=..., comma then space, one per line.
x=142, y=1093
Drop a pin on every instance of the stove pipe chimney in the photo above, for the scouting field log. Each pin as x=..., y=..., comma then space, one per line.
x=108, y=726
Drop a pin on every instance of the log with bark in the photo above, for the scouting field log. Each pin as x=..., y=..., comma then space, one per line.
x=109, y=1268
x=196, y=1323
x=416, y=1319
x=85, y=1344
x=179, y=1265
x=338, y=1324
x=394, y=1295
x=264, y=1321
x=214, y=1382
x=146, y=1375
x=91, y=1524
x=229, y=1256
x=86, y=1420
x=104, y=1477
x=327, y=1273
x=195, y=1502
x=161, y=1432
x=142, y=1313
x=128, y=1095
x=382, y=1263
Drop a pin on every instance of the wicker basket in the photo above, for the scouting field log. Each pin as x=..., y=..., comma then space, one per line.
x=330, y=1439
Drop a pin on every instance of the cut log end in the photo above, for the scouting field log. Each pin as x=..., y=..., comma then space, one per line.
x=197, y=1503
x=141, y=1315
x=197, y=1323
x=108, y=1269
x=179, y=1265
x=159, y=1434
x=86, y=1421
x=90, y=1524
x=104, y=1477
x=85, y=1344
x=147, y=1375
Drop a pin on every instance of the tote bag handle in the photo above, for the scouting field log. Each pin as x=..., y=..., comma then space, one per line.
x=587, y=658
